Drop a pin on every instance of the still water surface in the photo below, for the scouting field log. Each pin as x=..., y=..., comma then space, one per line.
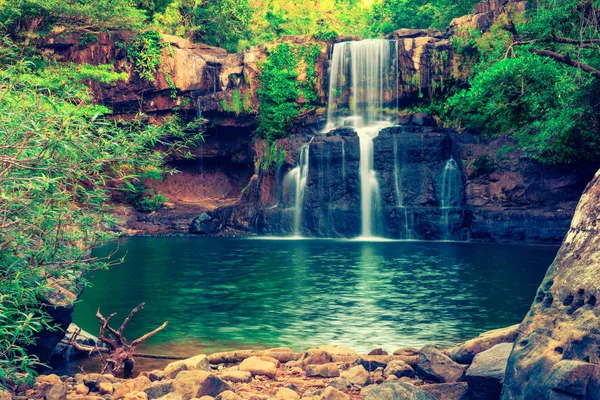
x=222, y=294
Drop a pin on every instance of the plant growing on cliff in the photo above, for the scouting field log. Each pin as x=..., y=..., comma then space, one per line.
x=60, y=159
x=238, y=104
x=145, y=52
x=280, y=87
x=278, y=93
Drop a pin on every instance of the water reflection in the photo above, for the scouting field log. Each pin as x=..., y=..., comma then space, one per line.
x=219, y=294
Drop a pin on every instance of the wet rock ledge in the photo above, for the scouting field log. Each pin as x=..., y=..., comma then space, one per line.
x=471, y=370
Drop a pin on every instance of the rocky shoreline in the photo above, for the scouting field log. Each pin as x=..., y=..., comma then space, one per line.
x=471, y=370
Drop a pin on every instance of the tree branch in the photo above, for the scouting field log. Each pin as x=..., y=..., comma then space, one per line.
x=565, y=59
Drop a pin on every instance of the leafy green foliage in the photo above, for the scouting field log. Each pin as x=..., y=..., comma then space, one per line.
x=145, y=52
x=222, y=23
x=482, y=165
x=550, y=107
x=280, y=87
x=32, y=19
x=546, y=106
x=389, y=15
x=278, y=93
x=61, y=159
x=237, y=104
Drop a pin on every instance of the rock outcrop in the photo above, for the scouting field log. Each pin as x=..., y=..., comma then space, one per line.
x=490, y=198
x=556, y=351
x=59, y=303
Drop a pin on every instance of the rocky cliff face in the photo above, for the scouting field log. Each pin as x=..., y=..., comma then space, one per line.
x=195, y=77
x=482, y=196
x=556, y=351
x=431, y=183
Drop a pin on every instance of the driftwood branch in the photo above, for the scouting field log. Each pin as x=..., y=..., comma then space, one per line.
x=82, y=347
x=148, y=335
x=120, y=353
x=131, y=314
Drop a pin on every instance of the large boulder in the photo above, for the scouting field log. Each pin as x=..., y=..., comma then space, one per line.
x=65, y=352
x=556, y=351
x=398, y=391
x=195, y=384
x=464, y=353
x=435, y=366
x=485, y=376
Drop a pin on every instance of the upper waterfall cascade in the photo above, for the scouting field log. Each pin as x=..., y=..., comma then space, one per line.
x=362, y=82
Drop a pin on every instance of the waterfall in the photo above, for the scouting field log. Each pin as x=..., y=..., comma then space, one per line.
x=296, y=179
x=363, y=78
x=450, y=194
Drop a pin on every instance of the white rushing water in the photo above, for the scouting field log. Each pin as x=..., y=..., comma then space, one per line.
x=296, y=178
x=362, y=80
x=450, y=194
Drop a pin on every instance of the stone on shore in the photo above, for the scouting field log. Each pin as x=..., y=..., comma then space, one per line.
x=485, y=376
x=448, y=391
x=159, y=389
x=464, y=353
x=397, y=391
x=357, y=376
x=138, y=384
x=406, y=351
x=316, y=356
x=194, y=384
x=371, y=363
x=44, y=383
x=171, y=396
x=236, y=376
x=331, y=393
x=286, y=394
x=228, y=395
x=81, y=389
x=136, y=396
x=378, y=352
x=398, y=368
x=57, y=392
x=5, y=394
x=329, y=370
x=336, y=350
x=199, y=362
x=256, y=366
x=435, y=366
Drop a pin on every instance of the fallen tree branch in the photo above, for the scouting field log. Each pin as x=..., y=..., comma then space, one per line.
x=561, y=58
x=565, y=59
